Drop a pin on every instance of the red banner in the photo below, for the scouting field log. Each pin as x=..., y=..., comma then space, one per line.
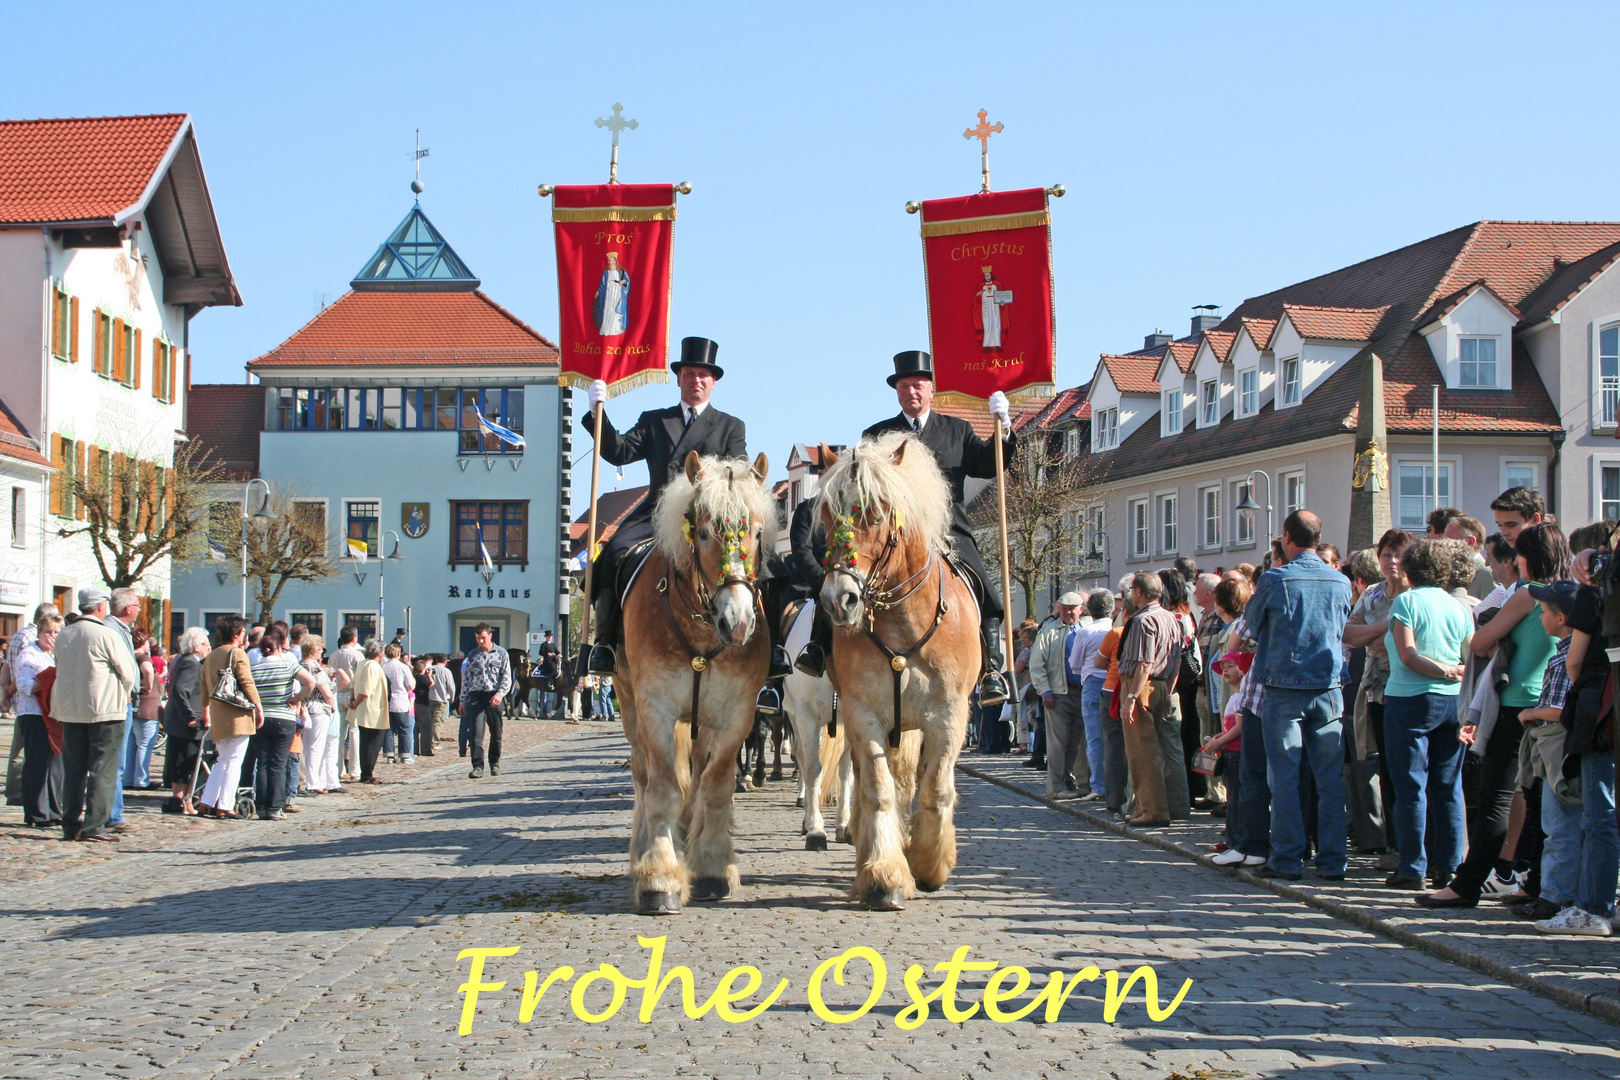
x=614, y=245
x=988, y=261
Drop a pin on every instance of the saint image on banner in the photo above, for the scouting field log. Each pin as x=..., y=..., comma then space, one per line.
x=612, y=310
x=990, y=315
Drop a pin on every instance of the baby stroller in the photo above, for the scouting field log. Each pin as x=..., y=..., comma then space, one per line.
x=207, y=758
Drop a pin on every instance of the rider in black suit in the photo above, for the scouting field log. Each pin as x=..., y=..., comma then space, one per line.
x=960, y=453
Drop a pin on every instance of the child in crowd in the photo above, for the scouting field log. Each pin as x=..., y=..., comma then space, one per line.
x=1229, y=744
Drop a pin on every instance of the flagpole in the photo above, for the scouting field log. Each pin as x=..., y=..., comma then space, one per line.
x=585, y=638
x=1006, y=566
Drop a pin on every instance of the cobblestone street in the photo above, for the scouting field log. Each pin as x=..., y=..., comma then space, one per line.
x=328, y=948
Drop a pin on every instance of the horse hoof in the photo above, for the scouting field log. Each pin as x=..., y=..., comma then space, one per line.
x=816, y=842
x=710, y=888
x=880, y=899
x=776, y=774
x=798, y=803
x=660, y=903
x=928, y=886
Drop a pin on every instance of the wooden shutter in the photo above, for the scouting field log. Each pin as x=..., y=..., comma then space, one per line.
x=73, y=329
x=60, y=477
x=157, y=367
x=79, y=472
x=135, y=363
x=168, y=373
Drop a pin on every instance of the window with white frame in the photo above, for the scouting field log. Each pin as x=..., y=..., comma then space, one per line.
x=1248, y=392
x=1094, y=539
x=1167, y=524
x=1609, y=375
x=1071, y=443
x=1107, y=428
x=1609, y=492
x=1521, y=474
x=364, y=623
x=1290, y=381
x=1293, y=491
x=1242, y=520
x=313, y=621
x=1172, y=411
x=1416, y=494
x=1210, y=402
x=1209, y=514
x=1139, y=529
x=1477, y=362
x=19, y=517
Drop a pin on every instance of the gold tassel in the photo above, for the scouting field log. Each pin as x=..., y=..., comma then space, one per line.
x=986, y=224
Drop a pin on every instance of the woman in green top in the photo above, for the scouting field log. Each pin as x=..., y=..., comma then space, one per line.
x=1542, y=556
x=1427, y=642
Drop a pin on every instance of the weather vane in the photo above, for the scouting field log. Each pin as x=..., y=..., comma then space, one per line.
x=615, y=123
x=982, y=132
x=416, y=185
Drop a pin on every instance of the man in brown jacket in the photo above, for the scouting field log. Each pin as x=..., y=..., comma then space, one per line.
x=95, y=673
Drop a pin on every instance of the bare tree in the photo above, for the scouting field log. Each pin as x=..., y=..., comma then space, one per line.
x=134, y=511
x=1047, y=493
x=290, y=545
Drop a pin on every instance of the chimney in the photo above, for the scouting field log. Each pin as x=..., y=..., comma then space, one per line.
x=1205, y=318
x=1157, y=339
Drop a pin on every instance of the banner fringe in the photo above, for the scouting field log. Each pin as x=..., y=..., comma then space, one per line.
x=623, y=386
x=986, y=224
x=615, y=213
x=958, y=399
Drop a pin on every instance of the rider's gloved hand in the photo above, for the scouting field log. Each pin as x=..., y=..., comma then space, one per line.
x=598, y=392
x=999, y=408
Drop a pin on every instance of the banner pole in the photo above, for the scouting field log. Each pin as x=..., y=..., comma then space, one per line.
x=1006, y=567
x=585, y=638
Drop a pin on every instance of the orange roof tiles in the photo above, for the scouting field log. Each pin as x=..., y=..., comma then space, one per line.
x=87, y=169
x=1132, y=374
x=1220, y=342
x=1335, y=323
x=222, y=418
x=16, y=443
x=411, y=327
x=1260, y=330
x=983, y=424
x=1183, y=352
x=1513, y=257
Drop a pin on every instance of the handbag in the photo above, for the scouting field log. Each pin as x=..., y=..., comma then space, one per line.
x=1204, y=762
x=226, y=690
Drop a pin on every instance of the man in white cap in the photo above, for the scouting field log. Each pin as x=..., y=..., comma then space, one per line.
x=95, y=673
x=1068, y=770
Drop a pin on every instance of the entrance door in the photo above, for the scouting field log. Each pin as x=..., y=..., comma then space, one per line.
x=466, y=643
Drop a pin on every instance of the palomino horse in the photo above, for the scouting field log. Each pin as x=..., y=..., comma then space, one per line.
x=905, y=656
x=692, y=655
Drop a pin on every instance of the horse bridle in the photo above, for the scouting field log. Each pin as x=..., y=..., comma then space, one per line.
x=733, y=535
x=878, y=595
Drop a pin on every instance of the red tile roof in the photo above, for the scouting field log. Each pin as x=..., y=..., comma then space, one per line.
x=87, y=169
x=224, y=419
x=1132, y=374
x=1513, y=257
x=979, y=416
x=376, y=328
x=611, y=507
x=1260, y=330
x=1183, y=352
x=1567, y=279
x=1068, y=404
x=16, y=443
x=1220, y=342
x=1335, y=323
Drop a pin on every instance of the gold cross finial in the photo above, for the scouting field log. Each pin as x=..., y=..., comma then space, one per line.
x=982, y=132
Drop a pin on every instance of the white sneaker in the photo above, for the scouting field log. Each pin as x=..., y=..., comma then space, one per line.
x=1254, y=860
x=1572, y=920
x=1229, y=857
x=1497, y=887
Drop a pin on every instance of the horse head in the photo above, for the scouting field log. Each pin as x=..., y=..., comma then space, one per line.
x=712, y=530
x=887, y=512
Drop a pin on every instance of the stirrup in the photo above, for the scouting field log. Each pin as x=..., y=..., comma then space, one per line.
x=770, y=701
x=601, y=661
x=812, y=660
x=993, y=689
x=780, y=668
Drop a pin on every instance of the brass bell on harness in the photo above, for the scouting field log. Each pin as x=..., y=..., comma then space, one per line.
x=898, y=663
x=699, y=663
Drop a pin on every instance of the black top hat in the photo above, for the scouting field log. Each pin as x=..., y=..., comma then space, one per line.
x=915, y=362
x=700, y=352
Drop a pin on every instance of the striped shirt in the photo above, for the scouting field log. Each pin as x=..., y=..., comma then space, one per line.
x=275, y=676
x=485, y=671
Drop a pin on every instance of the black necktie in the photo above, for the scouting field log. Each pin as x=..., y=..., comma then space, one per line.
x=689, y=413
x=916, y=424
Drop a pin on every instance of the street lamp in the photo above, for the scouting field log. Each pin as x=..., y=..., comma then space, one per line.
x=1248, y=503
x=382, y=574
x=262, y=512
x=1101, y=550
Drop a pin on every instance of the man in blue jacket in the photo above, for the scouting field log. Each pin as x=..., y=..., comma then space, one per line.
x=1297, y=617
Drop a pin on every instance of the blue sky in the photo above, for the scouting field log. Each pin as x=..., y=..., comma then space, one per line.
x=1211, y=152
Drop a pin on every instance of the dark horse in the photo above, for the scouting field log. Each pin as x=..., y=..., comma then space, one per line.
x=529, y=679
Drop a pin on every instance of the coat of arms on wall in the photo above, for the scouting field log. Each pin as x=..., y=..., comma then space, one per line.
x=413, y=519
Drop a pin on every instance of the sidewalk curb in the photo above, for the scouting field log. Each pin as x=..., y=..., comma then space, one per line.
x=1595, y=1004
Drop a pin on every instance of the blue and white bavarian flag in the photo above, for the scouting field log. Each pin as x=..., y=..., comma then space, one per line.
x=489, y=427
x=483, y=552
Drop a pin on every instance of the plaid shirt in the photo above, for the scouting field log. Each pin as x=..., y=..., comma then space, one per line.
x=1555, y=687
x=1251, y=692
x=485, y=671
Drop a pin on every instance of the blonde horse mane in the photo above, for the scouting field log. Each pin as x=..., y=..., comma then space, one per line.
x=726, y=490
x=912, y=488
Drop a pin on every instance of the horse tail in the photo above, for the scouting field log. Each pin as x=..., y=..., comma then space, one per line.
x=904, y=761
x=683, y=758
x=832, y=754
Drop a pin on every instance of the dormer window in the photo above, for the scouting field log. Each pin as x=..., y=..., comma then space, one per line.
x=1609, y=374
x=1248, y=391
x=1290, y=380
x=1172, y=411
x=1210, y=402
x=1107, y=429
x=1477, y=362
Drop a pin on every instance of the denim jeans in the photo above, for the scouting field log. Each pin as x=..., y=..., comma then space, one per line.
x=1561, y=850
x=1294, y=720
x=1116, y=767
x=1600, y=842
x=270, y=746
x=1091, y=715
x=117, y=815
x=1232, y=773
x=1256, y=806
x=138, y=752
x=401, y=733
x=1425, y=762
